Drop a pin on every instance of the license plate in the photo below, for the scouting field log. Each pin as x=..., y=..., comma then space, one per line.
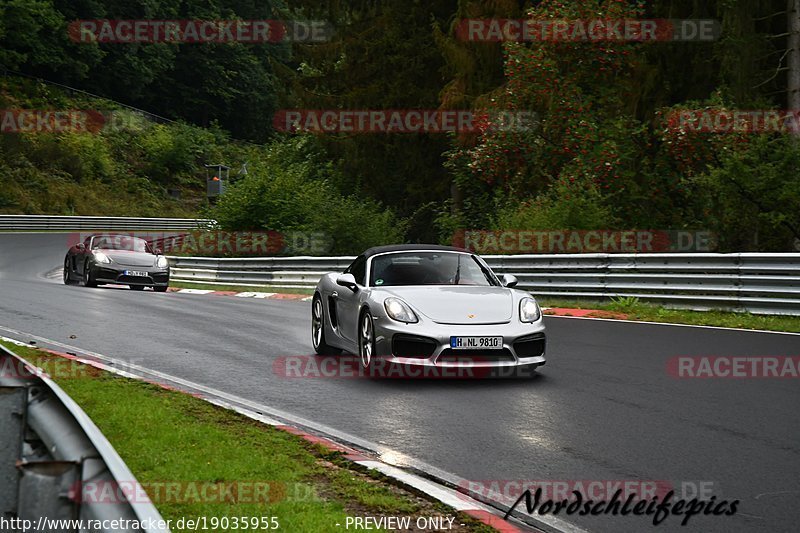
x=136, y=273
x=476, y=343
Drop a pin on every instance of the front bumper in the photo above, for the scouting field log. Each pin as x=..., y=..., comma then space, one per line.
x=116, y=274
x=428, y=344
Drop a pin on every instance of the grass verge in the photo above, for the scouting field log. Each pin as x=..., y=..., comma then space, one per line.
x=637, y=310
x=167, y=437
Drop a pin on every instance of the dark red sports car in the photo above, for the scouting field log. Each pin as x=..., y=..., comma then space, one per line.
x=116, y=259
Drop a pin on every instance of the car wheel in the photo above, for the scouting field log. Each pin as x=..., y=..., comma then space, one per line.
x=318, y=328
x=161, y=289
x=88, y=278
x=67, y=273
x=136, y=287
x=366, y=340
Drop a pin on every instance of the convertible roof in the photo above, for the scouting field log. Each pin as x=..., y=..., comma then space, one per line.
x=411, y=248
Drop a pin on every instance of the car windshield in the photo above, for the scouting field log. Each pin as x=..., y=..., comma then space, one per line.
x=121, y=242
x=429, y=268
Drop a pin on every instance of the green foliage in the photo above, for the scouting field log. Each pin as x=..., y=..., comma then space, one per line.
x=568, y=204
x=383, y=56
x=605, y=152
x=230, y=83
x=752, y=198
x=624, y=303
x=286, y=190
x=599, y=157
x=125, y=168
x=33, y=35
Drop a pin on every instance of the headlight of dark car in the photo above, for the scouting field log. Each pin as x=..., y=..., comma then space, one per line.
x=529, y=310
x=100, y=257
x=162, y=262
x=398, y=310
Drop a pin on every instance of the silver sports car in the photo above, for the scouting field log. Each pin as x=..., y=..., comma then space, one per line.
x=435, y=306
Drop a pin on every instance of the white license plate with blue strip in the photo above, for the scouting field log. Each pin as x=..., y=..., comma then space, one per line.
x=476, y=343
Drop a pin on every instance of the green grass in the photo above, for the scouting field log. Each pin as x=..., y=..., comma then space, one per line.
x=239, y=288
x=636, y=310
x=168, y=436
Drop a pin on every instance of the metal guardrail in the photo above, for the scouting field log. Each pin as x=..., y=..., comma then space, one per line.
x=71, y=223
x=283, y=272
x=744, y=282
x=54, y=461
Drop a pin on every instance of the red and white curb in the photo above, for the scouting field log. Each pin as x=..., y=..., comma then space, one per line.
x=444, y=494
x=247, y=294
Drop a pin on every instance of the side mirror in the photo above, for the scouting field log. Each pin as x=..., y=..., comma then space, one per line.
x=509, y=281
x=347, y=280
x=157, y=251
x=81, y=247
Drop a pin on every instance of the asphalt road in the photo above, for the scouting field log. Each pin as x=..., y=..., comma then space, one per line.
x=604, y=407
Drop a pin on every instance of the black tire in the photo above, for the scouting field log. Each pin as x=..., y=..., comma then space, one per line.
x=318, y=328
x=136, y=287
x=88, y=278
x=67, y=275
x=161, y=289
x=366, y=340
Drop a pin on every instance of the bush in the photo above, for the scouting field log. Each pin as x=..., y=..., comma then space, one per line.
x=752, y=198
x=570, y=203
x=288, y=189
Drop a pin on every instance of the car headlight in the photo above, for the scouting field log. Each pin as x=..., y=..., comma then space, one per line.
x=398, y=310
x=529, y=310
x=100, y=257
x=162, y=262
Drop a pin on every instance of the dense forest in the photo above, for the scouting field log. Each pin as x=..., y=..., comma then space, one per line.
x=606, y=152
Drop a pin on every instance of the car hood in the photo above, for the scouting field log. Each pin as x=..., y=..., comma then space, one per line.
x=458, y=304
x=127, y=258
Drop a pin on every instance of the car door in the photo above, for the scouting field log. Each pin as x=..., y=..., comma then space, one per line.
x=348, y=301
x=79, y=259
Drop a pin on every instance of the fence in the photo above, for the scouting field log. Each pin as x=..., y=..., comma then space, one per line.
x=70, y=223
x=753, y=282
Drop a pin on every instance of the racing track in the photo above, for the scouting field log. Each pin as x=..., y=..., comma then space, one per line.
x=604, y=408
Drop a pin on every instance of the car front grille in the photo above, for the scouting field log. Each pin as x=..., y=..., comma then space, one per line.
x=412, y=347
x=530, y=345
